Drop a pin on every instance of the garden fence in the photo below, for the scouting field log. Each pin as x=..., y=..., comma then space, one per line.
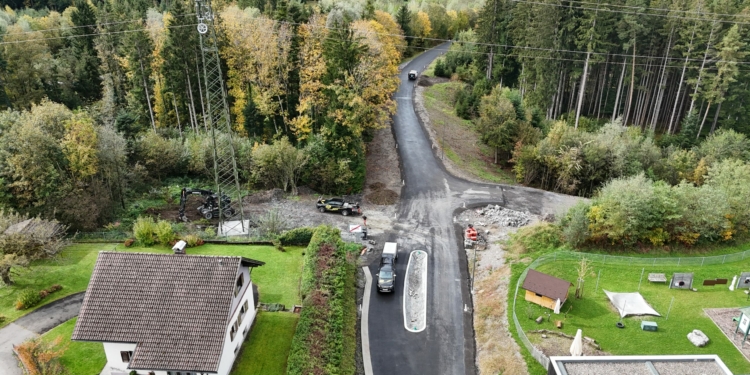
x=610, y=259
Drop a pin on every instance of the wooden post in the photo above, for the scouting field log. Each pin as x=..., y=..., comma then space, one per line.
x=639, y=281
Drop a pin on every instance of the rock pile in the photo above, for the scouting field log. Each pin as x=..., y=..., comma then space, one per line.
x=494, y=214
x=698, y=338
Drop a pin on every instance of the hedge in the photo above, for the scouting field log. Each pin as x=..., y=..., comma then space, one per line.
x=326, y=339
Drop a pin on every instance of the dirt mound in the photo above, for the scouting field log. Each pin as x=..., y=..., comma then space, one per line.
x=264, y=196
x=383, y=197
x=304, y=190
x=171, y=211
x=377, y=186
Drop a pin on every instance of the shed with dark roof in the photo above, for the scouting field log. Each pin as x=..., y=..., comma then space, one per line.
x=168, y=312
x=545, y=290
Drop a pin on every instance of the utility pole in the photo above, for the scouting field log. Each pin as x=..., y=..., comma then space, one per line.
x=226, y=178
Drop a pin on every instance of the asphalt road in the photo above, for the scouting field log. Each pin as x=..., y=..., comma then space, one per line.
x=429, y=199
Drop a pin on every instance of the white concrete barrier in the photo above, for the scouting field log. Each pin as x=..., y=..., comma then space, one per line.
x=415, y=292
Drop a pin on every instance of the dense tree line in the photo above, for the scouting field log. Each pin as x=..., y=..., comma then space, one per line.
x=104, y=100
x=650, y=62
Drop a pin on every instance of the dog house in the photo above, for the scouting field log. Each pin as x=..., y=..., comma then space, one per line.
x=545, y=290
x=681, y=281
x=743, y=324
x=744, y=281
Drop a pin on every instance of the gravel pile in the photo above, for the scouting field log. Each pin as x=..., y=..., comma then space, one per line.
x=414, y=303
x=494, y=214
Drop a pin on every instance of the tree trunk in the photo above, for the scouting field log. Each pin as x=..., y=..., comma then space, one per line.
x=662, y=83
x=602, y=86
x=700, y=72
x=616, y=110
x=716, y=118
x=583, y=86
x=632, y=84
x=177, y=113
x=5, y=275
x=700, y=129
x=145, y=88
x=200, y=93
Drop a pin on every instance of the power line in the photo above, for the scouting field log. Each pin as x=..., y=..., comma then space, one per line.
x=91, y=25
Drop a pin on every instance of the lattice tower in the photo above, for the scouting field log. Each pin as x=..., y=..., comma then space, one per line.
x=231, y=217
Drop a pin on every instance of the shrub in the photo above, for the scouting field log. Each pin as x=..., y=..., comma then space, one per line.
x=210, y=232
x=271, y=224
x=42, y=357
x=143, y=230
x=538, y=237
x=28, y=298
x=164, y=232
x=325, y=338
x=575, y=225
x=54, y=288
x=193, y=240
x=296, y=236
x=129, y=242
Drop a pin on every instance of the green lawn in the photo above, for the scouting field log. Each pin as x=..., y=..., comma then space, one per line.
x=266, y=348
x=596, y=317
x=80, y=358
x=278, y=280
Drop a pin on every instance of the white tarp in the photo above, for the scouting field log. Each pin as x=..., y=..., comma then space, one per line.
x=630, y=304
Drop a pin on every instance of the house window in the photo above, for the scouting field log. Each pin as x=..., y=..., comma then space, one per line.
x=231, y=333
x=125, y=356
x=238, y=286
x=237, y=349
x=243, y=309
x=538, y=295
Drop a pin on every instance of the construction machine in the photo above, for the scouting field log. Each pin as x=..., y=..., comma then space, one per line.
x=210, y=207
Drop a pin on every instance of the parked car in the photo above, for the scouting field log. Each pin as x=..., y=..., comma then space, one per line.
x=413, y=75
x=387, y=272
x=338, y=205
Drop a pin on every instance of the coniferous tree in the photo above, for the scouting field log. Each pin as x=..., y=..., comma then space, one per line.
x=85, y=63
x=403, y=18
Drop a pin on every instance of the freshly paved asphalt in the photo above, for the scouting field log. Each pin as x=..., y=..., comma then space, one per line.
x=33, y=324
x=429, y=200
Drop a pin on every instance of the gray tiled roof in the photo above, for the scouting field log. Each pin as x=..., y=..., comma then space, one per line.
x=175, y=307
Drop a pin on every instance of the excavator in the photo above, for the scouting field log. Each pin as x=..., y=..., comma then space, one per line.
x=210, y=207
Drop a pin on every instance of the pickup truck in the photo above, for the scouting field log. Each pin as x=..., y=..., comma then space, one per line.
x=387, y=272
x=413, y=75
x=338, y=205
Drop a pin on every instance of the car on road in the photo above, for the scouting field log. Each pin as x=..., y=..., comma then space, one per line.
x=413, y=75
x=338, y=204
x=387, y=272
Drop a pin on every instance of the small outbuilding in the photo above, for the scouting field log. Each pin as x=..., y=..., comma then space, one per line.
x=744, y=281
x=681, y=281
x=545, y=290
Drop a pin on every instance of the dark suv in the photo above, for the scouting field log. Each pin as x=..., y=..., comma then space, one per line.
x=386, y=274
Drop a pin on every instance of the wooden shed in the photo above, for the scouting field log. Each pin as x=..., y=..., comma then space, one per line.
x=545, y=290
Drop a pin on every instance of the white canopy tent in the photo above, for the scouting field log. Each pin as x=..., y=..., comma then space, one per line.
x=630, y=304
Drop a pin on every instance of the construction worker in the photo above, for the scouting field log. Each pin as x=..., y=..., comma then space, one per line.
x=471, y=233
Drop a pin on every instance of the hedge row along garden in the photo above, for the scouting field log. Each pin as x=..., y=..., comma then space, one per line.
x=325, y=341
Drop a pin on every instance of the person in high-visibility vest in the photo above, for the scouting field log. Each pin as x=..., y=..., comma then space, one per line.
x=471, y=233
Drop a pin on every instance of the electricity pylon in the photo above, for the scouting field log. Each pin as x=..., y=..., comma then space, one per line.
x=231, y=215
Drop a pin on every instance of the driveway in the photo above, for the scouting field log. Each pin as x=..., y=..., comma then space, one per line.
x=425, y=221
x=34, y=324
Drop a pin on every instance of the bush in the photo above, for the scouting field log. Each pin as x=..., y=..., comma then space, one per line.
x=296, y=236
x=143, y=230
x=535, y=238
x=129, y=242
x=42, y=357
x=325, y=338
x=164, y=232
x=28, y=298
x=440, y=70
x=193, y=240
x=575, y=225
x=271, y=224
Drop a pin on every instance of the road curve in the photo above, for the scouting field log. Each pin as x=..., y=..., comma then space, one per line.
x=425, y=222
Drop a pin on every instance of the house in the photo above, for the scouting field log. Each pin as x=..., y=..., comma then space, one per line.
x=167, y=314
x=545, y=290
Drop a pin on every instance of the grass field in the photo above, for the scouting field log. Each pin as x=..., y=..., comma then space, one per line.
x=80, y=358
x=278, y=280
x=266, y=349
x=597, y=317
x=457, y=136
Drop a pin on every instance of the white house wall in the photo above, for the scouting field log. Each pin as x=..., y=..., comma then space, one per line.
x=229, y=353
x=114, y=360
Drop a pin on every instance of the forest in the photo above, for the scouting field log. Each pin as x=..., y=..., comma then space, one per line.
x=104, y=101
x=638, y=105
